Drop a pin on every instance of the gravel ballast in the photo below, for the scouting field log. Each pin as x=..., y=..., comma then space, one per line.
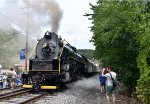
x=85, y=91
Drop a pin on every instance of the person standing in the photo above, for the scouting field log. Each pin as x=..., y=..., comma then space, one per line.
x=102, y=82
x=1, y=80
x=1, y=77
x=11, y=78
x=110, y=90
x=18, y=79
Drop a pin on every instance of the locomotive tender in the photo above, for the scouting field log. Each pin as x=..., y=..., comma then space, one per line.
x=55, y=62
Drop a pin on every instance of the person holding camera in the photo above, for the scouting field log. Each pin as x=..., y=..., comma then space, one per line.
x=110, y=89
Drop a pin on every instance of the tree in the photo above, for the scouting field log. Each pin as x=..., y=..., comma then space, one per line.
x=10, y=47
x=87, y=53
x=143, y=85
x=119, y=35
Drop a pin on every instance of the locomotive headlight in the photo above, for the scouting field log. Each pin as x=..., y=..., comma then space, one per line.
x=45, y=49
x=45, y=45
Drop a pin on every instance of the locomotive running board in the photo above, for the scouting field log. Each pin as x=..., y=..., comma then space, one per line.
x=42, y=87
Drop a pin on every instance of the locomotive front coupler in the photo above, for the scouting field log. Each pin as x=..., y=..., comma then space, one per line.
x=36, y=87
x=36, y=84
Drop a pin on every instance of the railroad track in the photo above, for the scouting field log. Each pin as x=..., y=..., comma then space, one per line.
x=32, y=100
x=22, y=97
x=7, y=91
x=13, y=94
x=2, y=89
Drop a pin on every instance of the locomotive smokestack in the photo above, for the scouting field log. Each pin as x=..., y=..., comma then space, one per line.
x=47, y=34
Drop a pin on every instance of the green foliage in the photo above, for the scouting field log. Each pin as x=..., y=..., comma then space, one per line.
x=10, y=48
x=121, y=35
x=87, y=53
x=114, y=37
x=143, y=85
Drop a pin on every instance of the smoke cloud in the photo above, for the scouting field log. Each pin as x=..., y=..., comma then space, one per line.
x=88, y=82
x=41, y=14
x=47, y=9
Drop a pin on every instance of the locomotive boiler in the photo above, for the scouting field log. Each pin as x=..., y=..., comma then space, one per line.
x=54, y=63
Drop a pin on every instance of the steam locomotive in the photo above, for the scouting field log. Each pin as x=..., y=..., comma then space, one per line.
x=55, y=62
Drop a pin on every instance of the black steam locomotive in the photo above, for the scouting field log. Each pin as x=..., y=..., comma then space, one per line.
x=55, y=62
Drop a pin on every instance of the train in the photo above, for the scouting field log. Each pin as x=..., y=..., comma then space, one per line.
x=55, y=62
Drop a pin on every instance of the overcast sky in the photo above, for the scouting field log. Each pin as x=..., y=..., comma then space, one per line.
x=73, y=25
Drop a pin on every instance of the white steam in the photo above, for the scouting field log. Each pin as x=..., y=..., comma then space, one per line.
x=41, y=14
x=48, y=10
x=88, y=82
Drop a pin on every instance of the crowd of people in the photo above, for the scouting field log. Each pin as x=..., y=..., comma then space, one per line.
x=107, y=79
x=11, y=80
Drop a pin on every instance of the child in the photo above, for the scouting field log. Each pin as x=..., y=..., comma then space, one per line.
x=102, y=82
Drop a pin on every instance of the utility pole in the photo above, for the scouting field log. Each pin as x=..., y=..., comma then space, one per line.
x=26, y=58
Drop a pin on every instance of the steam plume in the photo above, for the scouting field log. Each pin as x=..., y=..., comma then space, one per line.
x=88, y=83
x=42, y=13
x=47, y=8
